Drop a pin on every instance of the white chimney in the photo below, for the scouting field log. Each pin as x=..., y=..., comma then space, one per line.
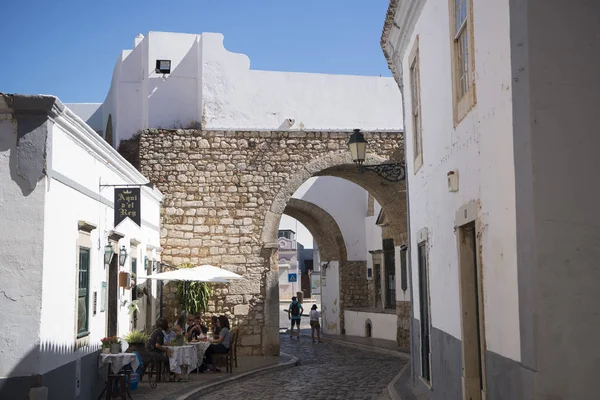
x=138, y=39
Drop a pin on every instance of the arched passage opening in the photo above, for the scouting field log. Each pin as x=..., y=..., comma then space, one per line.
x=390, y=195
x=332, y=250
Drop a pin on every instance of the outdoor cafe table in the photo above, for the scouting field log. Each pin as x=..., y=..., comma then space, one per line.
x=201, y=347
x=183, y=356
x=116, y=362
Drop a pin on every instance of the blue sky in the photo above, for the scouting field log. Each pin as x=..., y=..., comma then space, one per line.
x=68, y=48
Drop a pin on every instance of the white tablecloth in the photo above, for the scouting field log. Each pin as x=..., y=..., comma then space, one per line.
x=118, y=361
x=183, y=356
x=200, y=349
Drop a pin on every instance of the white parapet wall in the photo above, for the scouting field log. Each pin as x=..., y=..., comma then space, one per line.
x=383, y=325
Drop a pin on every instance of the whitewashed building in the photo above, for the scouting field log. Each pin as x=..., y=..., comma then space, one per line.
x=58, y=297
x=501, y=103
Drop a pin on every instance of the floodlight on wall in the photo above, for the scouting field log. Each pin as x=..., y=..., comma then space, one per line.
x=163, y=66
x=122, y=256
x=392, y=172
x=108, y=253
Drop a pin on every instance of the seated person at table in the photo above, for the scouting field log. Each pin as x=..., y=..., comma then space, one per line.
x=169, y=334
x=180, y=322
x=196, y=330
x=215, y=326
x=156, y=346
x=220, y=344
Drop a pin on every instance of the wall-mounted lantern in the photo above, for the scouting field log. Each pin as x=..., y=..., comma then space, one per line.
x=108, y=253
x=122, y=256
x=154, y=265
x=393, y=172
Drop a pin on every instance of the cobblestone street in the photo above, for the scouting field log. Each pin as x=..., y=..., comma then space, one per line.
x=327, y=372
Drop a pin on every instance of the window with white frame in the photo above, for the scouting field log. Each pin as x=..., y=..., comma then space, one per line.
x=463, y=63
x=415, y=90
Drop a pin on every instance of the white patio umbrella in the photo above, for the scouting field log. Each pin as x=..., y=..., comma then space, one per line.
x=203, y=273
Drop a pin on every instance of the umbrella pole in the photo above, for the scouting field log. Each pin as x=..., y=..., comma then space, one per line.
x=185, y=298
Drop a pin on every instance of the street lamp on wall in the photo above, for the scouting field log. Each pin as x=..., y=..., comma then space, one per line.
x=392, y=172
x=122, y=256
x=108, y=253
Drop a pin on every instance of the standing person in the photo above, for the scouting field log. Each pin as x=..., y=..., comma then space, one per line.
x=295, y=314
x=220, y=344
x=314, y=323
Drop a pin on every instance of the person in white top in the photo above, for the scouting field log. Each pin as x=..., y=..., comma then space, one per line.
x=314, y=323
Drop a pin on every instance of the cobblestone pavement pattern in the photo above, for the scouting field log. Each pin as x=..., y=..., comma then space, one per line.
x=327, y=372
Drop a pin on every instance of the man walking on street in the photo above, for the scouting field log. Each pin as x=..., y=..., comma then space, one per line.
x=295, y=314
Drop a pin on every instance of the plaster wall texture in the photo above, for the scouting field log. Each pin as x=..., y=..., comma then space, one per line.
x=383, y=325
x=475, y=148
x=217, y=88
x=556, y=98
x=21, y=252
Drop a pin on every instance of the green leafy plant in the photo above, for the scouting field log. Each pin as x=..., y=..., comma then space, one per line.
x=197, y=294
x=136, y=337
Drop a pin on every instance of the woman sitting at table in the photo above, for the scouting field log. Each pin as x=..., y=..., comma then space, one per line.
x=156, y=345
x=220, y=344
x=169, y=334
x=215, y=326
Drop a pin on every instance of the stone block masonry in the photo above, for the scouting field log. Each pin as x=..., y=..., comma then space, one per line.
x=223, y=194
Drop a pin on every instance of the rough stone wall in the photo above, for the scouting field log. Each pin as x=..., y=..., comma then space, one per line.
x=354, y=287
x=218, y=188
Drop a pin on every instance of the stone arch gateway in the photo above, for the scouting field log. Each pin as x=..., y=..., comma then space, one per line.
x=224, y=193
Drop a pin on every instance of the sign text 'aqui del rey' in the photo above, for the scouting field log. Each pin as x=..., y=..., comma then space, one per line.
x=127, y=205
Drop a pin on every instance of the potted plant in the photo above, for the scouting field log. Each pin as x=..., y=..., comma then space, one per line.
x=136, y=340
x=105, y=345
x=111, y=344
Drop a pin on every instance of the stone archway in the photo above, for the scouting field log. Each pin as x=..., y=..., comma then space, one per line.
x=224, y=193
x=322, y=226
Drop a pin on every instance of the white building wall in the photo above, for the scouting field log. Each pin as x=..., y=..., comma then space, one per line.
x=476, y=148
x=216, y=87
x=21, y=253
x=383, y=326
x=73, y=195
x=330, y=298
x=328, y=193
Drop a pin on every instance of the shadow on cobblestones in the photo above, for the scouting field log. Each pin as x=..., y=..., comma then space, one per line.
x=327, y=372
